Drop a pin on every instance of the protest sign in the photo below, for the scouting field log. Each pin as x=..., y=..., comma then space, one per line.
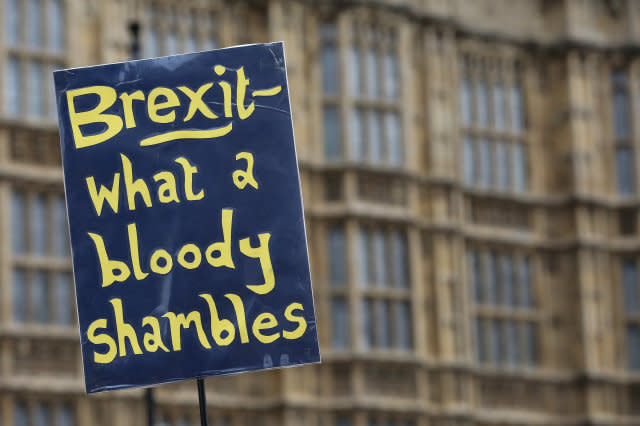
x=186, y=218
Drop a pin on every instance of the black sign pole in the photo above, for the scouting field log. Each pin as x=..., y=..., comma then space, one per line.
x=150, y=406
x=202, y=400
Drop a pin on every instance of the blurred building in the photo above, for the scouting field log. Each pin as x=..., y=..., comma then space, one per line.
x=469, y=171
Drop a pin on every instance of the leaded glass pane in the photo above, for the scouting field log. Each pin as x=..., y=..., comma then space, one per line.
x=332, y=134
x=633, y=346
x=19, y=295
x=630, y=284
x=357, y=134
x=40, y=298
x=11, y=22
x=339, y=323
x=56, y=23
x=482, y=107
x=337, y=257
x=64, y=299
x=468, y=161
x=38, y=225
x=18, y=231
x=12, y=87
x=330, y=74
x=624, y=170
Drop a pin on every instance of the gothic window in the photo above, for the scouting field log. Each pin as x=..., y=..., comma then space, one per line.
x=35, y=39
x=379, y=257
x=624, y=151
x=42, y=285
x=368, y=67
x=384, y=286
x=492, y=117
x=171, y=31
x=505, y=321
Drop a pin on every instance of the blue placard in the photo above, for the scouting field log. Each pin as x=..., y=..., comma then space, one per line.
x=186, y=219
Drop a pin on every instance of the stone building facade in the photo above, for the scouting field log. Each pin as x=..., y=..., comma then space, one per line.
x=469, y=172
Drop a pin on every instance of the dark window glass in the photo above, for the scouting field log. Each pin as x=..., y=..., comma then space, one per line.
x=531, y=343
x=330, y=71
x=475, y=275
x=66, y=416
x=496, y=341
x=11, y=22
x=482, y=107
x=465, y=102
x=12, y=87
x=19, y=295
x=43, y=415
x=372, y=73
x=498, y=106
x=61, y=233
x=490, y=278
x=633, y=346
x=34, y=29
x=380, y=250
x=502, y=165
x=403, y=325
x=39, y=225
x=64, y=299
x=363, y=258
x=624, y=170
x=621, y=107
x=355, y=70
x=485, y=162
x=152, y=44
x=506, y=269
x=332, y=134
x=374, y=136
x=526, y=290
x=343, y=421
x=630, y=285
x=368, y=335
x=399, y=260
x=17, y=221
x=519, y=164
x=20, y=414
x=35, y=88
x=40, y=298
x=383, y=324
x=511, y=338
x=339, y=323
x=337, y=256
x=391, y=75
x=517, y=108
x=468, y=161
x=357, y=134
x=395, y=148
x=481, y=352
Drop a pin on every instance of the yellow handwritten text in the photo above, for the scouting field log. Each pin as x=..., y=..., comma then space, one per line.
x=162, y=104
x=265, y=328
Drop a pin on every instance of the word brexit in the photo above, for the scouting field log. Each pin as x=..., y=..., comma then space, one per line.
x=161, y=105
